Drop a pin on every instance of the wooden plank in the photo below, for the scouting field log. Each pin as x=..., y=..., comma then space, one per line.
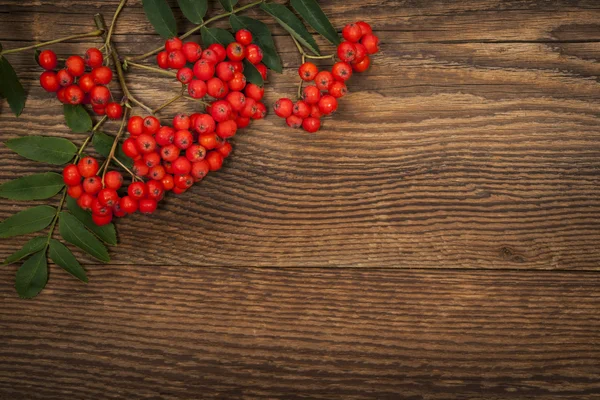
x=184, y=332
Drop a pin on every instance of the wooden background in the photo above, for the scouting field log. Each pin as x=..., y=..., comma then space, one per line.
x=441, y=232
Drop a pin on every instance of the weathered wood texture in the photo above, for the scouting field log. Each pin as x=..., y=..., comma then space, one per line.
x=472, y=144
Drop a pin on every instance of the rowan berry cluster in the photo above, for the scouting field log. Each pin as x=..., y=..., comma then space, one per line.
x=321, y=99
x=83, y=80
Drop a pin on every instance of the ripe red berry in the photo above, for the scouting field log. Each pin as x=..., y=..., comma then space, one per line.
x=293, y=121
x=185, y=75
x=243, y=36
x=197, y=89
x=87, y=166
x=254, y=91
x=102, y=220
x=249, y=109
x=301, y=109
x=177, y=59
x=151, y=160
x=254, y=54
x=75, y=65
x=204, y=69
x=225, y=71
x=364, y=27
x=283, y=107
x=169, y=152
x=86, y=82
x=74, y=94
x=64, y=78
x=327, y=104
x=199, y=169
x=346, y=52
x=85, y=201
x=173, y=44
x=311, y=124
x=157, y=172
x=100, y=209
x=261, y=111
x=308, y=71
x=48, y=60
x=130, y=148
x=338, y=89
x=341, y=71
x=128, y=204
x=210, y=56
x=361, y=53
x=117, y=211
x=140, y=168
x=226, y=129
x=75, y=191
x=183, y=139
x=204, y=124
x=165, y=135
x=137, y=190
x=216, y=88
x=315, y=112
x=92, y=185
x=235, y=51
x=49, y=81
x=99, y=110
x=371, y=43
x=184, y=181
x=102, y=75
x=363, y=65
x=219, y=51
x=237, y=100
x=151, y=125
x=262, y=69
x=71, y=175
x=221, y=110
x=210, y=141
x=311, y=94
x=225, y=150
x=146, y=143
x=113, y=180
x=195, y=153
x=192, y=51
x=100, y=96
x=238, y=83
x=108, y=197
x=238, y=66
x=181, y=166
x=168, y=182
x=155, y=190
x=162, y=59
x=215, y=160
x=114, y=110
x=242, y=122
x=147, y=206
x=352, y=33
x=324, y=80
x=181, y=121
x=60, y=95
x=93, y=57
x=135, y=125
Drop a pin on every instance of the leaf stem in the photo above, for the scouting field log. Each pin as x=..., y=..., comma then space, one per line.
x=205, y=104
x=195, y=29
x=128, y=63
x=169, y=102
x=95, y=33
x=113, y=23
x=111, y=155
x=304, y=55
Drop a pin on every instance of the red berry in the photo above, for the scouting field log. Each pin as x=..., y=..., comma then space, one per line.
x=216, y=88
x=92, y=185
x=361, y=53
x=135, y=125
x=157, y=172
x=75, y=191
x=87, y=166
x=195, y=153
x=210, y=141
x=371, y=43
x=311, y=124
x=168, y=182
x=263, y=70
x=237, y=100
x=293, y=121
x=183, y=139
x=242, y=122
x=100, y=209
x=49, y=81
x=215, y=160
x=137, y=190
x=74, y=95
x=308, y=71
x=283, y=107
x=199, y=169
x=235, y=51
x=71, y=175
x=254, y=54
x=352, y=33
x=75, y=65
x=86, y=82
x=243, y=36
x=177, y=59
x=108, y=197
x=100, y=96
x=85, y=201
x=93, y=57
x=261, y=111
x=238, y=66
x=324, y=80
x=210, y=56
x=238, y=83
x=113, y=180
x=146, y=143
x=60, y=95
x=219, y=51
x=140, y=168
x=130, y=148
x=184, y=181
x=151, y=125
x=99, y=110
x=192, y=51
x=155, y=190
x=102, y=220
x=102, y=75
x=225, y=71
x=301, y=109
x=341, y=71
x=151, y=160
x=346, y=51
x=204, y=69
x=169, y=152
x=364, y=27
x=197, y=89
x=165, y=135
x=117, y=211
x=173, y=44
x=327, y=104
x=185, y=75
x=315, y=112
x=225, y=150
x=64, y=78
x=48, y=60
x=338, y=89
x=162, y=59
x=254, y=91
x=226, y=129
x=128, y=204
x=249, y=109
x=181, y=121
x=363, y=65
x=181, y=166
x=204, y=124
x=114, y=110
x=311, y=95
x=221, y=110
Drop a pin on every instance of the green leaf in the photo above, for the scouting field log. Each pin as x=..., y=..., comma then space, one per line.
x=35, y=244
x=62, y=256
x=103, y=143
x=37, y=56
x=32, y=187
x=288, y=20
x=27, y=221
x=161, y=17
x=251, y=73
x=11, y=88
x=216, y=35
x=51, y=150
x=194, y=10
x=74, y=232
x=32, y=276
x=77, y=118
x=262, y=37
x=314, y=15
x=107, y=233
x=228, y=4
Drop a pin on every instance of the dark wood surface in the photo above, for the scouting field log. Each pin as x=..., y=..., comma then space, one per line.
x=441, y=231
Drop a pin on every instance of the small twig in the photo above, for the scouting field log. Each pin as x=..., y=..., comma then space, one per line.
x=304, y=55
x=97, y=32
x=113, y=23
x=127, y=64
x=169, y=102
x=205, y=104
x=113, y=149
x=134, y=177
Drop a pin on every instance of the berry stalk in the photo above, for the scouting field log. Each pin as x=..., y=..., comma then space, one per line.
x=95, y=33
x=128, y=63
